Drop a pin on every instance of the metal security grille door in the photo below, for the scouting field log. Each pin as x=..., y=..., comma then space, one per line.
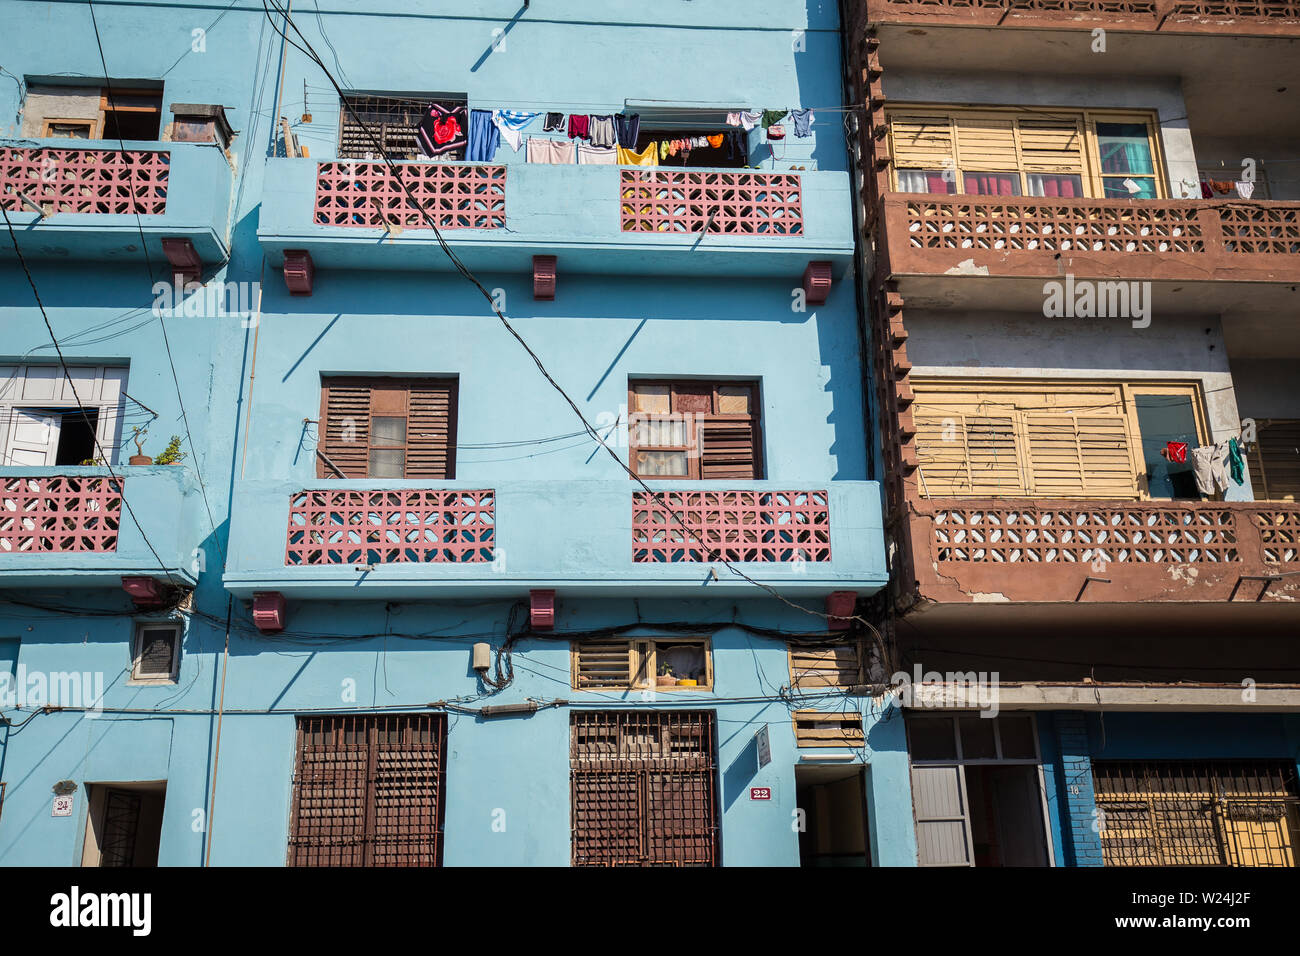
x=368, y=791
x=1187, y=813
x=121, y=826
x=644, y=788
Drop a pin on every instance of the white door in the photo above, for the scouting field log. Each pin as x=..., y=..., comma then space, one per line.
x=33, y=438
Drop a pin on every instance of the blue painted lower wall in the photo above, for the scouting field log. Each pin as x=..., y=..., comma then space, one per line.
x=365, y=657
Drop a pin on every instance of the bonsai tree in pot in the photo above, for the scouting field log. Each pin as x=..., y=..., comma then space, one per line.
x=172, y=454
x=137, y=436
x=666, y=677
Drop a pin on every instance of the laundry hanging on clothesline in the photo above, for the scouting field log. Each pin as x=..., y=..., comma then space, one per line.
x=1214, y=465
x=510, y=123
x=441, y=130
x=484, y=137
x=551, y=151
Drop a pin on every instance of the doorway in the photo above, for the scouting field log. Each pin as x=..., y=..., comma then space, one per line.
x=124, y=823
x=834, y=802
x=1005, y=815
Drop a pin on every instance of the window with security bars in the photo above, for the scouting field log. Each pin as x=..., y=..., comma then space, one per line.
x=1055, y=439
x=387, y=428
x=623, y=665
x=644, y=788
x=368, y=791
x=156, y=653
x=695, y=429
x=392, y=120
x=1197, y=813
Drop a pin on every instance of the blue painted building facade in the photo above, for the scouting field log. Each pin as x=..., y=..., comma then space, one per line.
x=207, y=760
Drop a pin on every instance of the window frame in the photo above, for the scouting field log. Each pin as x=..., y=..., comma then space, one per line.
x=1090, y=173
x=414, y=105
x=799, y=680
x=1128, y=391
x=643, y=664
x=137, y=652
x=380, y=384
x=93, y=126
x=693, y=450
x=111, y=414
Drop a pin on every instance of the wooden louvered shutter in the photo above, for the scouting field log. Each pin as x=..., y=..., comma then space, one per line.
x=827, y=665
x=966, y=445
x=431, y=430
x=922, y=142
x=345, y=428
x=986, y=144
x=603, y=665
x=1080, y=455
x=1052, y=146
x=1274, y=462
x=729, y=439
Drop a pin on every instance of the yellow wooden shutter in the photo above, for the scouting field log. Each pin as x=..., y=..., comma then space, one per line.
x=1274, y=462
x=966, y=443
x=604, y=665
x=1079, y=455
x=828, y=665
x=986, y=143
x=1051, y=146
x=922, y=142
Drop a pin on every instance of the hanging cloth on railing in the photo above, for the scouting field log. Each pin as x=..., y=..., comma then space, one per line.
x=629, y=128
x=601, y=130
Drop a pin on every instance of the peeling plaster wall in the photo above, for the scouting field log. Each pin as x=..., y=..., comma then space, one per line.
x=1164, y=95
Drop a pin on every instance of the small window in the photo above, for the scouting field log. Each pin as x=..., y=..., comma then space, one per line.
x=70, y=129
x=815, y=729
x=407, y=126
x=677, y=663
x=828, y=665
x=131, y=114
x=387, y=428
x=156, y=656
x=695, y=430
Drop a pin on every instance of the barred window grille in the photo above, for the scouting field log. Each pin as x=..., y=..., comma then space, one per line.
x=392, y=121
x=368, y=791
x=644, y=788
x=1197, y=813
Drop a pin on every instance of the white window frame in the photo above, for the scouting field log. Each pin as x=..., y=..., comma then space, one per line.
x=38, y=388
x=960, y=763
x=137, y=649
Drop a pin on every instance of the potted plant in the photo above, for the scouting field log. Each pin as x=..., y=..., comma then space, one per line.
x=137, y=436
x=666, y=677
x=172, y=454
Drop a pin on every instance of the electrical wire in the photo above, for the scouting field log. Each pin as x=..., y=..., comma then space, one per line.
x=714, y=556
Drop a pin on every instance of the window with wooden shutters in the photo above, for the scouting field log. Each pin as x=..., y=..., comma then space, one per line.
x=387, y=428
x=842, y=665
x=368, y=791
x=681, y=663
x=695, y=429
x=1274, y=461
x=643, y=788
x=813, y=728
x=1038, y=439
x=1012, y=152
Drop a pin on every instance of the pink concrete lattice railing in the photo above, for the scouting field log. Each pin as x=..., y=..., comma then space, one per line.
x=684, y=202
x=368, y=195
x=96, y=181
x=1205, y=533
x=59, y=514
x=419, y=526
x=736, y=525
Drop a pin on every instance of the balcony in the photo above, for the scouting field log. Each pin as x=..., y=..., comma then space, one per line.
x=98, y=198
x=73, y=528
x=1000, y=551
x=1256, y=18
x=1215, y=249
x=382, y=540
x=644, y=221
